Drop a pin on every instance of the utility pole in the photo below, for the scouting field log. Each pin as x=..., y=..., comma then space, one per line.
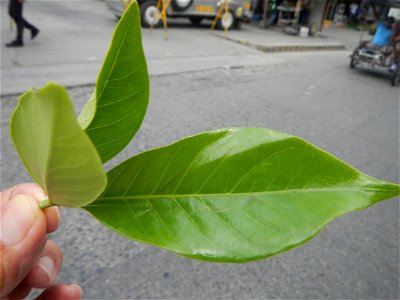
x=264, y=21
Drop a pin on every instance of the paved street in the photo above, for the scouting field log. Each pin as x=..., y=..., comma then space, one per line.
x=353, y=114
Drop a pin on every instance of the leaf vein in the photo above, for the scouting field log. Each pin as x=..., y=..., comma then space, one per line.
x=229, y=225
x=163, y=222
x=136, y=218
x=258, y=165
x=126, y=76
x=193, y=160
x=253, y=219
x=133, y=180
x=113, y=123
x=116, y=56
x=167, y=166
x=198, y=229
x=213, y=172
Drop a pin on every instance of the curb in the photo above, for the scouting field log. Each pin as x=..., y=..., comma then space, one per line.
x=285, y=48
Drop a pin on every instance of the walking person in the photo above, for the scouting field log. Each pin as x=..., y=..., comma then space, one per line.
x=15, y=12
x=354, y=10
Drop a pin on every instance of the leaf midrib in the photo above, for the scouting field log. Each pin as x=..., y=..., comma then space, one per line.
x=155, y=196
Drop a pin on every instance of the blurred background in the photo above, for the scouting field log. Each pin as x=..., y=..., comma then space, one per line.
x=283, y=65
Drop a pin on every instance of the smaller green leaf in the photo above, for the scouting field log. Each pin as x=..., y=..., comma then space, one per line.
x=114, y=112
x=56, y=151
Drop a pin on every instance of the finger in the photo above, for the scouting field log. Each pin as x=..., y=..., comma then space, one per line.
x=53, y=217
x=61, y=292
x=52, y=213
x=20, y=292
x=46, y=268
x=24, y=188
x=23, y=235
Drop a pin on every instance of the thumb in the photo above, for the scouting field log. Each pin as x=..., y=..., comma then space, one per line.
x=23, y=235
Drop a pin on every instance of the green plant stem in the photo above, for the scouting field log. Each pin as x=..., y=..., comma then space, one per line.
x=46, y=203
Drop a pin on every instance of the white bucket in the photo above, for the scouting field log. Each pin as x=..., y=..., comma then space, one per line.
x=304, y=31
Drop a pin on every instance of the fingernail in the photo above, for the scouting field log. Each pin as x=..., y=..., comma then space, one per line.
x=47, y=265
x=17, y=219
x=75, y=288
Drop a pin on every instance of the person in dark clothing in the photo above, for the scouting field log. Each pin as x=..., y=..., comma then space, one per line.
x=305, y=12
x=15, y=12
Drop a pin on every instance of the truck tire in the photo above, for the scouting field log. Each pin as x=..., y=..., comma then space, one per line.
x=181, y=5
x=227, y=20
x=149, y=14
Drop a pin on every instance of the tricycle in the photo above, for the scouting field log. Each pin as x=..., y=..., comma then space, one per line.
x=381, y=55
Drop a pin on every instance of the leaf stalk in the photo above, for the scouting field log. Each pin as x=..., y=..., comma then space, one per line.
x=46, y=203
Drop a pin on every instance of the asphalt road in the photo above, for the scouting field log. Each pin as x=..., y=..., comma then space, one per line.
x=352, y=114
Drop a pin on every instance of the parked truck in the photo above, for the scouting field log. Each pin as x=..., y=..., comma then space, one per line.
x=194, y=10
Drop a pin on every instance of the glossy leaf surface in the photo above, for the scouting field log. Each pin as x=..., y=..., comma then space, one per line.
x=233, y=195
x=56, y=151
x=113, y=115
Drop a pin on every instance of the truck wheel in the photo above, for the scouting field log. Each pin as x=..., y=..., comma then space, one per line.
x=181, y=5
x=226, y=21
x=149, y=14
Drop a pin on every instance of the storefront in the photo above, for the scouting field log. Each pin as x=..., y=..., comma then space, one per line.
x=307, y=13
x=319, y=14
x=338, y=12
x=353, y=12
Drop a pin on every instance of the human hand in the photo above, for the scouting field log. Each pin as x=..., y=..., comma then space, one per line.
x=28, y=259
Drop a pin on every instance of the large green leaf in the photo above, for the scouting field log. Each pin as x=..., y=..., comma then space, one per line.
x=233, y=195
x=54, y=148
x=113, y=114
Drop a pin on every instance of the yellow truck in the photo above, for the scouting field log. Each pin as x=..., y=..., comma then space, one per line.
x=194, y=10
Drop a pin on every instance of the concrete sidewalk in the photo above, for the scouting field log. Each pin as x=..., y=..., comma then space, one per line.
x=273, y=39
